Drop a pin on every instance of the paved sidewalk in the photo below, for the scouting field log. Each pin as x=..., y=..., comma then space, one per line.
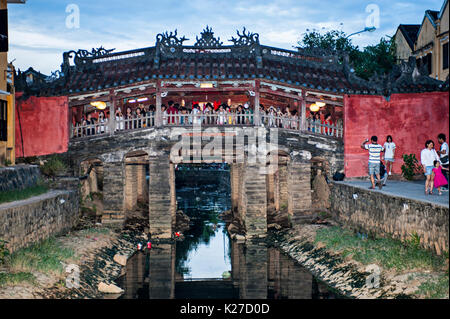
x=410, y=190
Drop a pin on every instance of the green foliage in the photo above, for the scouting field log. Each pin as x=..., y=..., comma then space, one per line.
x=14, y=195
x=389, y=253
x=379, y=58
x=53, y=166
x=7, y=279
x=437, y=288
x=45, y=256
x=4, y=252
x=411, y=166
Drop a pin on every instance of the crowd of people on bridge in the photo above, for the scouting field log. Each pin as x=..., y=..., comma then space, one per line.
x=206, y=114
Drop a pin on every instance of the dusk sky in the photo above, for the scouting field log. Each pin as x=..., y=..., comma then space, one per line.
x=39, y=33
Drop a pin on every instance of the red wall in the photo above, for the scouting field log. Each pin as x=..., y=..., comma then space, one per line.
x=44, y=122
x=410, y=119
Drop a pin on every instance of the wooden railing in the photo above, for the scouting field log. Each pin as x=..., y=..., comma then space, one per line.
x=216, y=119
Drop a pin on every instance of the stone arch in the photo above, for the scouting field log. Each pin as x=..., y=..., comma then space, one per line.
x=135, y=180
x=91, y=174
x=320, y=195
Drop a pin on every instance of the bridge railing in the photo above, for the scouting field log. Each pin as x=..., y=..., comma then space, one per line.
x=216, y=119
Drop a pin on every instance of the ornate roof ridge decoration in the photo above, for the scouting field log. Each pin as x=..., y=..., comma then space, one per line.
x=82, y=57
x=245, y=39
x=207, y=39
x=171, y=39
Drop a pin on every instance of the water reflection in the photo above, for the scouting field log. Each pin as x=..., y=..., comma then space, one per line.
x=207, y=264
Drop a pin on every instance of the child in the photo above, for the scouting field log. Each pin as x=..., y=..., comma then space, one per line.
x=439, y=178
x=389, y=147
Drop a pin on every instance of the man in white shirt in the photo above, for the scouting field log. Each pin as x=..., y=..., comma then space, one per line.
x=443, y=155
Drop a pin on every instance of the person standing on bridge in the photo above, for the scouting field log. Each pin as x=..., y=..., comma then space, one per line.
x=375, y=150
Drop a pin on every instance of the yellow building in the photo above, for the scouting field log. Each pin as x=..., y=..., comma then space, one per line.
x=7, y=103
x=430, y=42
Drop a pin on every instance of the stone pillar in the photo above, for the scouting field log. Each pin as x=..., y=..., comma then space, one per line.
x=161, y=212
x=173, y=195
x=299, y=190
x=255, y=200
x=142, y=184
x=158, y=113
x=112, y=112
x=303, y=125
x=162, y=272
x=283, y=187
x=234, y=181
x=113, y=192
x=131, y=187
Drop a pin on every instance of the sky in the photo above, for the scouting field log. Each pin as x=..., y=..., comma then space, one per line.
x=41, y=30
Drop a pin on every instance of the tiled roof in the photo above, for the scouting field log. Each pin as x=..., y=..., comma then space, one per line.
x=410, y=32
x=208, y=59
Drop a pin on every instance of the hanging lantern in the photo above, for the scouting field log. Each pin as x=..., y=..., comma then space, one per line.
x=314, y=107
x=99, y=105
x=320, y=104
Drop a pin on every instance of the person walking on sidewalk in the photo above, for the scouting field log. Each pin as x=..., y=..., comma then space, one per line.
x=427, y=158
x=375, y=150
x=389, y=154
x=443, y=155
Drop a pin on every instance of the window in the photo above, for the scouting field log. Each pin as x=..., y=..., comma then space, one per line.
x=3, y=120
x=445, y=56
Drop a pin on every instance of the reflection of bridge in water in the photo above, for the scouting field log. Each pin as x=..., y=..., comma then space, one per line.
x=258, y=272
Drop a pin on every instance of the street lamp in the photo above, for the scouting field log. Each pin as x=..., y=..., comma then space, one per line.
x=366, y=29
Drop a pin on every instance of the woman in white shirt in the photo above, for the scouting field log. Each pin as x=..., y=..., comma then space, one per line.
x=389, y=154
x=427, y=158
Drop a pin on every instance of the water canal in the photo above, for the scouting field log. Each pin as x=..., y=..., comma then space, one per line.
x=207, y=264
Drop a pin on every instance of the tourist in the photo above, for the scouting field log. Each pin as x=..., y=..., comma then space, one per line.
x=443, y=154
x=103, y=127
x=316, y=123
x=164, y=114
x=221, y=116
x=439, y=179
x=151, y=114
x=427, y=158
x=294, y=120
x=128, y=117
x=271, y=116
x=119, y=120
x=90, y=123
x=248, y=114
x=195, y=113
x=383, y=174
x=389, y=153
x=207, y=114
x=375, y=150
x=172, y=110
x=240, y=117
x=138, y=117
x=327, y=124
x=230, y=114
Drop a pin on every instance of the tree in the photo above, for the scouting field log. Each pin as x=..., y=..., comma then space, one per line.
x=379, y=58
